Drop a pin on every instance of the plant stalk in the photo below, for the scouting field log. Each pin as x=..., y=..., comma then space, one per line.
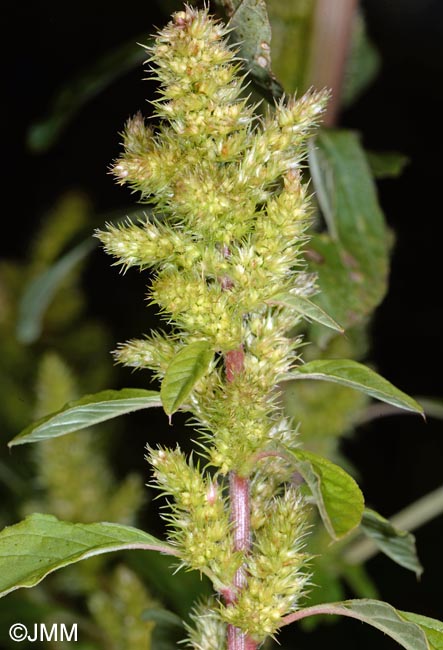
x=240, y=518
x=331, y=40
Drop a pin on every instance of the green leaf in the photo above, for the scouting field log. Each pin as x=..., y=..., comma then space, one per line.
x=431, y=627
x=252, y=31
x=307, y=308
x=41, y=290
x=386, y=164
x=341, y=173
x=292, y=24
x=338, y=497
x=187, y=367
x=41, y=544
x=397, y=544
x=89, y=410
x=352, y=259
x=355, y=375
x=403, y=627
x=342, y=293
x=80, y=90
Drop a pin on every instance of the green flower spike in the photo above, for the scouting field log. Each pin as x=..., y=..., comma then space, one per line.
x=230, y=214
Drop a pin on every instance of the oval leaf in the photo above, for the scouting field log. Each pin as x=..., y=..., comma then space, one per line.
x=356, y=375
x=338, y=497
x=42, y=544
x=187, y=367
x=397, y=544
x=307, y=308
x=400, y=626
x=89, y=410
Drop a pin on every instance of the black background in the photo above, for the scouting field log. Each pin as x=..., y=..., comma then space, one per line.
x=400, y=459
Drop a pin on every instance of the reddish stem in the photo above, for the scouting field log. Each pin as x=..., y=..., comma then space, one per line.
x=237, y=640
x=234, y=360
x=331, y=40
x=240, y=518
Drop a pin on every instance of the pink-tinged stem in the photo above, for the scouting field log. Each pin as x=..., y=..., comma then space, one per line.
x=234, y=360
x=237, y=640
x=333, y=23
x=240, y=518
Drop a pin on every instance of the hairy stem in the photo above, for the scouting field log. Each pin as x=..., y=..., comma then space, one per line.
x=240, y=518
x=237, y=640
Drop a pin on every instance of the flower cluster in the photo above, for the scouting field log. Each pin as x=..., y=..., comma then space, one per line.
x=198, y=514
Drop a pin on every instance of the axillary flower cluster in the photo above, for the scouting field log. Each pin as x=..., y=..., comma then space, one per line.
x=230, y=218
